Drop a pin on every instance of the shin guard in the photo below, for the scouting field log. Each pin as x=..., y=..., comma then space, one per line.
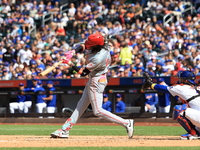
x=187, y=125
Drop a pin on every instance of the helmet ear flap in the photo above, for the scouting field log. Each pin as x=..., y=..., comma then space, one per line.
x=179, y=74
x=193, y=76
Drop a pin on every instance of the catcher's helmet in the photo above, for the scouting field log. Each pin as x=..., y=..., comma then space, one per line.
x=94, y=39
x=187, y=75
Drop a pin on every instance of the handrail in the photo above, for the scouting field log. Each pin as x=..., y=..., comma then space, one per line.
x=170, y=19
x=172, y=16
x=33, y=29
x=47, y=17
x=63, y=9
x=189, y=8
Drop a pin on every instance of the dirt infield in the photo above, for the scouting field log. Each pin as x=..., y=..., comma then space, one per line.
x=92, y=141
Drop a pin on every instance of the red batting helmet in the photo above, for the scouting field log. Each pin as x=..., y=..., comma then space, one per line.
x=94, y=39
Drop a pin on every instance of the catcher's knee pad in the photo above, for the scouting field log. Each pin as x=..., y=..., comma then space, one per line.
x=177, y=110
x=187, y=125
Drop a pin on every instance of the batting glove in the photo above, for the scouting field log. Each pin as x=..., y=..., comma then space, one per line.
x=66, y=61
x=69, y=54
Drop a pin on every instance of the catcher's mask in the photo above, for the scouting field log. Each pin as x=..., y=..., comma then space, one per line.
x=93, y=40
x=187, y=76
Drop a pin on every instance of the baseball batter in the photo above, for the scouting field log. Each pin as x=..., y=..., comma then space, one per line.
x=97, y=63
x=186, y=114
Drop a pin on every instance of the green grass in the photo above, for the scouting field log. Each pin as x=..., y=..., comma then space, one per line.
x=90, y=130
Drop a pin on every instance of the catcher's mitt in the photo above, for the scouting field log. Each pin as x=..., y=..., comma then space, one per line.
x=147, y=82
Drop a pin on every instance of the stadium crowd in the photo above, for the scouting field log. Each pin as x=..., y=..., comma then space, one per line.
x=139, y=38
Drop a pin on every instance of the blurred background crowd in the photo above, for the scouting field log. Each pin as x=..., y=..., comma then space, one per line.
x=158, y=36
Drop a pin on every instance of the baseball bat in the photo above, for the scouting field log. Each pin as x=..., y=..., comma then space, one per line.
x=45, y=72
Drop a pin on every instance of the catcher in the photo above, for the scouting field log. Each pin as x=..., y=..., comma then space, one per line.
x=186, y=114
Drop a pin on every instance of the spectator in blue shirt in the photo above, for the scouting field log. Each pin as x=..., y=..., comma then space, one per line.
x=26, y=37
x=51, y=98
x=58, y=73
x=107, y=105
x=120, y=105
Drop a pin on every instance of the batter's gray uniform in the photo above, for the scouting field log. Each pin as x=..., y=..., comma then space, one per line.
x=98, y=64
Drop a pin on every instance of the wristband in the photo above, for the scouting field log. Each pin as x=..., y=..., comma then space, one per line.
x=80, y=71
x=152, y=86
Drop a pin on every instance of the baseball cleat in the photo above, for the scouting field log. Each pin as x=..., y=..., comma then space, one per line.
x=130, y=128
x=189, y=137
x=60, y=134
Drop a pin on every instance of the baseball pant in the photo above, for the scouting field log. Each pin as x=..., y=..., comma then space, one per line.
x=16, y=106
x=193, y=116
x=51, y=110
x=40, y=107
x=151, y=110
x=27, y=106
x=165, y=109
x=93, y=93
